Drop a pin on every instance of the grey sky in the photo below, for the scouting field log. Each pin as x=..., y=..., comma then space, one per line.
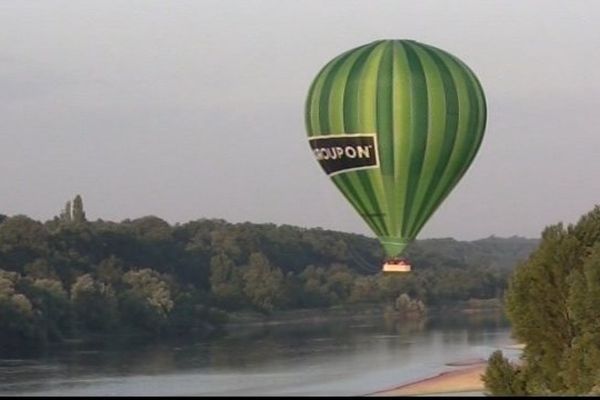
x=194, y=109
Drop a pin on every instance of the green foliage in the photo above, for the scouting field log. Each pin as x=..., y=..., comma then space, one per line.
x=553, y=302
x=339, y=282
x=263, y=284
x=68, y=275
x=409, y=306
x=40, y=269
x=22, y=240
x=581, y=362
x=503, y=378
x=17, y=318
x=66, y=216
x=52, y=306
x=110, y=270
x=226, y=282
x=78, y=215
x=313, y=288
x=94, y=304
x=151, y=290
x=364, y=290
x=189, y=315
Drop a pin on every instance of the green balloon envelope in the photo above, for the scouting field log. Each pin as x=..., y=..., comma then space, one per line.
x=395, y=124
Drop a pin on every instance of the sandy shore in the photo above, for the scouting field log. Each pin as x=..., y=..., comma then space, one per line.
x=466, y=379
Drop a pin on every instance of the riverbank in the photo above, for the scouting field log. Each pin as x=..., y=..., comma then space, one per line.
x=311, y=315
x=472, y=307
x=465, y=379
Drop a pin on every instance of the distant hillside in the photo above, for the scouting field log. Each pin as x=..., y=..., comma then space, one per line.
x=297, y=247
x=493, y=252
x=293, y=248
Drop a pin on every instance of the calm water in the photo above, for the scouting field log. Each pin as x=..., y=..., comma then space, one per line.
x=337, y=357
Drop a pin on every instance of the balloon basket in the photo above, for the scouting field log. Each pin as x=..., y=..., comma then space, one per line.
x=396, y=266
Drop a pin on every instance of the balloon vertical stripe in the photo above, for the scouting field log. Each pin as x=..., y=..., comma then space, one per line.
x=448, y=138
x=402, y=118
x=418, y=133
x=385, y=129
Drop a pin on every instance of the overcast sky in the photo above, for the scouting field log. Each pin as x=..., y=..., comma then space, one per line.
x=194, y=109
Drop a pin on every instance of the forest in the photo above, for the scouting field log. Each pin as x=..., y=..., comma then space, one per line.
x=68, y=276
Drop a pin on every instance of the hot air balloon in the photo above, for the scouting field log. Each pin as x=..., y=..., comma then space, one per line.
x=395, y=124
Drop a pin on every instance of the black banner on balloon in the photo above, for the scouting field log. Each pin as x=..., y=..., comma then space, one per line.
x=343, y=153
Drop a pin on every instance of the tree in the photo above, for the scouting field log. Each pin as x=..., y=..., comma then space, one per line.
x=110, y=271
x=582, y=359
x=17, y=320
x=226, y=281
x=553, y=303
x=147, y=302
x=190, y=315
x=40, y=269
x=94, y=304
x=365, y=290
x=537, y=305
x=339, y=282
x=502, y=378
x=51, y=305
x=152, y=229
x=78, y=215
x=263, y=283
x=66, y=214
x=22, y=240
x=409, y=307
x=315, y=293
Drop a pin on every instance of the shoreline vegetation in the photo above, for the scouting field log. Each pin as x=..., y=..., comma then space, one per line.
x=468, y=307
x=70, y=277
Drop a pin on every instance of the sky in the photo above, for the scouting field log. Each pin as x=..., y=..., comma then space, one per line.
x=195, y=109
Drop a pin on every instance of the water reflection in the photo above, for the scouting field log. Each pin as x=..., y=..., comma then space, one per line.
x=335, y=357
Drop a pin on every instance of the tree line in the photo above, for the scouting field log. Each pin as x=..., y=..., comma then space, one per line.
x=69, y=276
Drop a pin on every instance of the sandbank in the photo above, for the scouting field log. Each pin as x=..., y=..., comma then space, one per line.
x=466, y=379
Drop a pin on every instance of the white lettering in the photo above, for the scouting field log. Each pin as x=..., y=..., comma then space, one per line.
x=364, y=151
x=335, y=153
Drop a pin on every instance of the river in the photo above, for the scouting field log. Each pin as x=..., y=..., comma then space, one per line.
x=339, y=356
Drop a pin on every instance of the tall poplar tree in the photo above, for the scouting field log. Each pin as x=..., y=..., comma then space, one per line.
x=65, y=216
x=78, y=213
